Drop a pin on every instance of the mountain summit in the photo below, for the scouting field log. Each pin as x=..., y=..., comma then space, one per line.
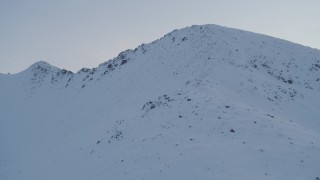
x=202, y=102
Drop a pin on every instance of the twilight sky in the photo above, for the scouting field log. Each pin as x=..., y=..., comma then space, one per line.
x=72, y=34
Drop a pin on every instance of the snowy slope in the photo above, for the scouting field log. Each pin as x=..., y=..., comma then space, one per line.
x=203, y=102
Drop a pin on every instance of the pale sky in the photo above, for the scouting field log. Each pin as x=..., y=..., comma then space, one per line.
x=72, y=34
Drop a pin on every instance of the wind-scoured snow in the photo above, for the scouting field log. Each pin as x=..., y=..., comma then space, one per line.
x=203, y=102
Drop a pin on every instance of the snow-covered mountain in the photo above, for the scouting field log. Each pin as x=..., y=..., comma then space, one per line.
x=203, y=102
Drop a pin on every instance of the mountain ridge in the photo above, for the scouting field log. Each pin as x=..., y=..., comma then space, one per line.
x=168, y=34
x=204, y=102
x=110, y=65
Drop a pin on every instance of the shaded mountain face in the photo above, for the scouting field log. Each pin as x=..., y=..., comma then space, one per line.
x=203, y=102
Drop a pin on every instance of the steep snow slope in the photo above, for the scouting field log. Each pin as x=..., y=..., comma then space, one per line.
x=203, y=102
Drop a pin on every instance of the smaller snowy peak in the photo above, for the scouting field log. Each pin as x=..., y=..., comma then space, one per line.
x=41, y=69
x=41, y=72
x=42, y=66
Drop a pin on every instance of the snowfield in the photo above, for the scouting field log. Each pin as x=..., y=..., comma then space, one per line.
x=204, y=102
